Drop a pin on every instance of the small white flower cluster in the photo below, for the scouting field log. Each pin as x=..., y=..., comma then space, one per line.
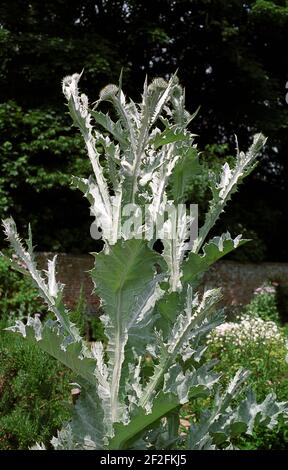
x=247, y=330
x=266, y=289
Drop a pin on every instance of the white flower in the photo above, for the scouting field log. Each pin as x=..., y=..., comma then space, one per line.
x=247, y=332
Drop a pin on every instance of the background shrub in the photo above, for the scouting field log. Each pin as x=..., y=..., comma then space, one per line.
x=18, y=297
x=255, y=341
x=34, y=388
x=264, y=304
x=34, y=393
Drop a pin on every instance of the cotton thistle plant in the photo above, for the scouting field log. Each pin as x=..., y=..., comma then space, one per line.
x=152, y=309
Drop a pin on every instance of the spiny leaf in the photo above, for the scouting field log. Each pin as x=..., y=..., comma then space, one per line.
x=166, y=137
x=125, y=435
x=50, y=339
x=212, y=251
x=184, y=173
x=114, y=128
x=223, y=422
x=86, y=430
x=227, y=185
x=124, y=294
x=52, y=296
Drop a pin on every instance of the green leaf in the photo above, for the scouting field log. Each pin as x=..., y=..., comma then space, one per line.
x=189, y=325
x=50, y=290
x=191, y=384
x=227, y=185
x=50, y=339
x=125, y=435
x=84, y=185
x=212, y=251
x=184, y=173
x=167, y=137
x=225, y=421
x=168, y=307
x=125, y=281
x=86, y=429
x=115, y=128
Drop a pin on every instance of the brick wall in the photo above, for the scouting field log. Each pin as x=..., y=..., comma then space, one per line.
x=72, y=270
x=238, y=280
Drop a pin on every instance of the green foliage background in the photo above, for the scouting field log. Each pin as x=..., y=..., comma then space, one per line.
x=34, y=388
